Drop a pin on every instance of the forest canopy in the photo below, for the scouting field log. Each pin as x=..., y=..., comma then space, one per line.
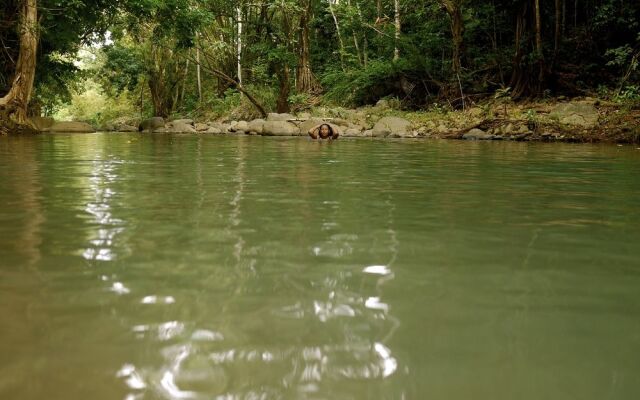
x=182, y=56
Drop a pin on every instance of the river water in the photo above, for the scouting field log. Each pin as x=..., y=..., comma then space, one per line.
x=201, y=267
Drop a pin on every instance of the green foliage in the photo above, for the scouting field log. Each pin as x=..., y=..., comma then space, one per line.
x=365, y=85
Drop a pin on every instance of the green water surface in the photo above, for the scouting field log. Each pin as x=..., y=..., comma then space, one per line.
x=200, y=267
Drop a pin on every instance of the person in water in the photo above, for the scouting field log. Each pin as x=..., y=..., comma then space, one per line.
x=324, y=131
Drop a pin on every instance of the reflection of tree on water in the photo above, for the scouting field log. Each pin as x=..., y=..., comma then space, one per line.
x=23, y=288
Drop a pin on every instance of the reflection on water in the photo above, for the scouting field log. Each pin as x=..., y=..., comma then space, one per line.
x=186, y=267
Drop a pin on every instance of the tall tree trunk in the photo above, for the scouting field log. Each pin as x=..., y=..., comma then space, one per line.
x=239, y=40
x=396, y=51
x=558, y=31
x=454, y=9
x=282, y=103
x=305, y=80
x=14, y=105
x=539, y=49
x=198, y=76
x=335, y=21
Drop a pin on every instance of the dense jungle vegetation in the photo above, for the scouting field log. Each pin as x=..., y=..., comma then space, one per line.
x=103, y=59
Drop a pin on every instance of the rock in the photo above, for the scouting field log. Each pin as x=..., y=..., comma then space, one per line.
x=523, y=129
x=382, y=103
x=151, y=124
x=578, y=114
x=71, y=127
x=200, y=127
x=391, y=125
x=280, y=117
x=351, y=132
x=214, y=130
x=340, y=122
x=368, y=133
x=125, y=128
x=241, y=126
x=477, y=134
x=304, y=115
x=185, y=121
x=280, y=128
x=255, y=126
x=374, y=118
x=180, y=127
x=43, y=124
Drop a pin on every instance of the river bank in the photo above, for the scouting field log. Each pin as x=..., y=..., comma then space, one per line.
x=583, y=120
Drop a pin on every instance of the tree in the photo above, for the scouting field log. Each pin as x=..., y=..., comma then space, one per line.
x=14, y=105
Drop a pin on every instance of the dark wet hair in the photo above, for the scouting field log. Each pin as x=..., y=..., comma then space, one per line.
x=331, y=133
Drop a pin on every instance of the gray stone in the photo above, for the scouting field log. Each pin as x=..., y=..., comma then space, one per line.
x=71, y=127
x=477, y=134
x=214, y=130
x=125, y=128
x=185, y=121
x=151, y=124
x=180, y=127
x=280, y=128
x=200, y=127
x=391, y=125
x=368, y=133
x=340, y=122
x=242, y=126
x=255, y=126
x=351, y=132
x=578, y=114
x=280, y=117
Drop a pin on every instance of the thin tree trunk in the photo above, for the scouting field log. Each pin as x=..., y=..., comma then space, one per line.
x=184, y=80
x=282, y=103
x=305, y=80
x=396, y=51
x=198, y=69
x=239, y=45
x=454, y=9
x=14, y=105
x=335, y=21
x=241, y=89
x=539, y=49
x=558, y=32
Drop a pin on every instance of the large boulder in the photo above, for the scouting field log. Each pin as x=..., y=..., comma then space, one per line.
x=71, y=127
x=151, y=124
x=352, y=132
x=256, y=126
x=185, y=121
x=200, y=127
x=43, y=124
x=388, y=125
x=280, y=117
x=240, y=126
x=578, y=114
x=280, y=128
x=124, y=128
x=180, y=127
x=477, y=134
